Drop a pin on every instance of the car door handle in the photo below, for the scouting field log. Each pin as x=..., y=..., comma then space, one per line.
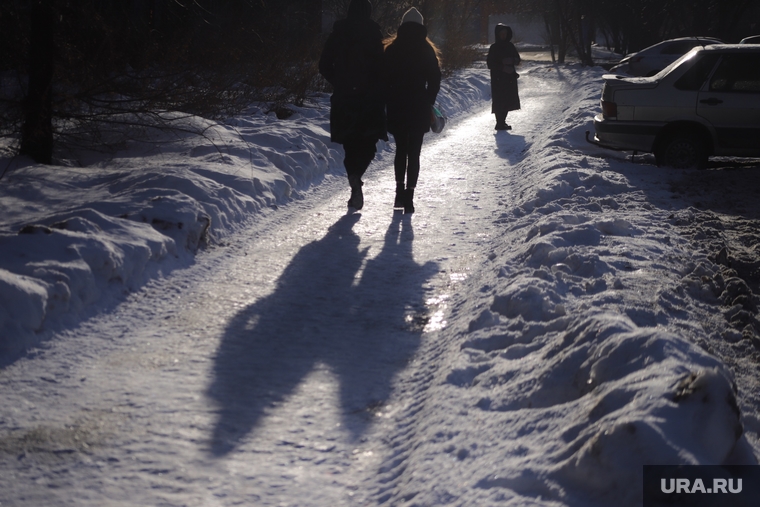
x=712, y=101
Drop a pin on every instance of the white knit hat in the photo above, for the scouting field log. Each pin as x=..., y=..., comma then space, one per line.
x=412, y=16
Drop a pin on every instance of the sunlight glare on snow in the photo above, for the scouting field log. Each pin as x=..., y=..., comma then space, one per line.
x=437, y=320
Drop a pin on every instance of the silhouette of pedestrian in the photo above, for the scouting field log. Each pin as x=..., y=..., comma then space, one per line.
x=413, y=77
x=322, y=318
x=502, y=59
x=351, y=62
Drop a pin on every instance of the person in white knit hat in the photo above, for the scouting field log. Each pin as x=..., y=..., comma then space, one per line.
x=413, y=16
x=413, y=79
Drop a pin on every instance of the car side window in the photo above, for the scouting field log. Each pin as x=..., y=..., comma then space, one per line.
x=693, y=79
x=737, y=73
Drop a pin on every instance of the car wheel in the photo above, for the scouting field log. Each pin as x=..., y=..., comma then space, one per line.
x=683, y=151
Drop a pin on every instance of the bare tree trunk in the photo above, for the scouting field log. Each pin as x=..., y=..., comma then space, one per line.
x=583, y=39
x=37, y=132
x=552, y=34
x=561, y=31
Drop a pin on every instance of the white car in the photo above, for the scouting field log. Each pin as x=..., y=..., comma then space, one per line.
x=653, y=59
x=705, y=103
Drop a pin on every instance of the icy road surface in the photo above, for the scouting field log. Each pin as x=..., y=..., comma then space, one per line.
x=551, y=318
x=285, y=368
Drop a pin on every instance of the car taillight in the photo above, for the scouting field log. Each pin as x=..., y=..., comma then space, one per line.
x=609, y=109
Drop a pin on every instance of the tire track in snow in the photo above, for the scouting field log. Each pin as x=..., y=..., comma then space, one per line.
x=467, y=179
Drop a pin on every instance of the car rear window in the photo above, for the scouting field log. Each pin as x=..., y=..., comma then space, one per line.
x=693, y=79
x=737, y=73
x=678, y=48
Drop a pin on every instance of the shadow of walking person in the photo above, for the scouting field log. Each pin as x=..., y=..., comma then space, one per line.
x=387, y=323
x=316, y=315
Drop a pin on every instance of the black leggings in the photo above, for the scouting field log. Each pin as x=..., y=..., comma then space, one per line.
x=407, y=161
x=501, y=117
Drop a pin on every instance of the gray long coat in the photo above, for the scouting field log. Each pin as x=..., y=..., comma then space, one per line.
x=501, y=60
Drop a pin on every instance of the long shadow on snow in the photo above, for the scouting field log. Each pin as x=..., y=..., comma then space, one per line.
x=509, y=146
x=363, y=333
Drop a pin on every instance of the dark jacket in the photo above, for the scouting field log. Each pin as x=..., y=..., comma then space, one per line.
x=351, y=62
x=413, y=79
x=501, y=60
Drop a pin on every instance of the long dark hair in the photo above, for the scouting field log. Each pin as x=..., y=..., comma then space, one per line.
x=392, y=38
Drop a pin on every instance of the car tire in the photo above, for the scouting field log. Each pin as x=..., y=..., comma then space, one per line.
x=682, y=151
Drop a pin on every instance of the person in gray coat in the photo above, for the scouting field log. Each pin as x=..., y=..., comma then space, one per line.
x=502, y=59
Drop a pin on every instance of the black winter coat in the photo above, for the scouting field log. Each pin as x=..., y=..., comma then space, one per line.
x=413, y=79
x=352, y=62
x=501, y=60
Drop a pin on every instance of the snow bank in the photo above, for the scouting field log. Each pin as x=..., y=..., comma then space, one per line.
x=74, y=237
x=581, y=343
x=580, y=359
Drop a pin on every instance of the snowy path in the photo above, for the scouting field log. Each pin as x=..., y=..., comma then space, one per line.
x=553, y=317
x=288, y=367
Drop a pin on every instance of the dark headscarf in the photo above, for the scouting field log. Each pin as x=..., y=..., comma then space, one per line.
x=359, y=9
x=499, y=28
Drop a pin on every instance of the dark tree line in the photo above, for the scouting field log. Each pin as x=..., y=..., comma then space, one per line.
x=85, y=72
x=89, y=72
x=627, y=26
x=634, y=24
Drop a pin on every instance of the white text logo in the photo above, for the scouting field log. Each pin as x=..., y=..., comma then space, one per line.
x=685, y=486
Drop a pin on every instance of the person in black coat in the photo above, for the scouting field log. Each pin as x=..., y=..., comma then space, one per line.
x=413, y=79
x=351, y=62
x=502, y=59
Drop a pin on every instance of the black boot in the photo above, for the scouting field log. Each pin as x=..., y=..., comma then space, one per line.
x=501, y=122
x=357, y=197
x=398, y=202
x=409, y=200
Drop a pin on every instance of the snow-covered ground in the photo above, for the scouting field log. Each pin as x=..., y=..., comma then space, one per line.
x=205, y=324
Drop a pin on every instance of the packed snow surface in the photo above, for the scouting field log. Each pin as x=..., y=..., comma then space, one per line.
x=198, y=320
